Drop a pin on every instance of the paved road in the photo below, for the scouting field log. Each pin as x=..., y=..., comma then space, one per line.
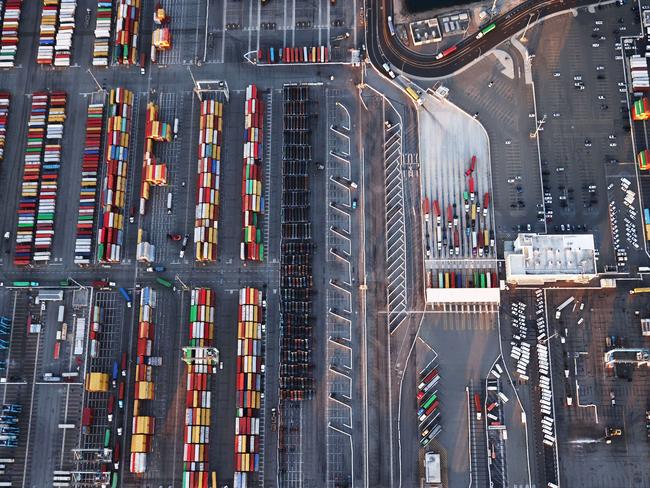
x=382, y=46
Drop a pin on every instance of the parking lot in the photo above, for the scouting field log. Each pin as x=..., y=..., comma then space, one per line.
x=601, y=397
x=585, y=145
x=236, y=28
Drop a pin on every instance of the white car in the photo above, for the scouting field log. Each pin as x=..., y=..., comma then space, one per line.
x=612, y=144
x=556, y=114
x=556, y=74
x=595, y=44
x=508, y=142
x=601, y=97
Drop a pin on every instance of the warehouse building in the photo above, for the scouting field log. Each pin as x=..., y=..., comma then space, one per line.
x=534, y=259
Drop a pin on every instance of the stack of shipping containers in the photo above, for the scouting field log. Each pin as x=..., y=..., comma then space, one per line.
x=10, y=16
x=64, y=33
x=143, y=425
x=49, y=183
x=249, y=381
x=4, y=119
x=639, y=73
x=49, y=21
x=209, y=173
x=152, y=172
x=127, y=26
x=196, y=435
x=57, y=27
x=252, y=246
x=89, y=187
x=120, y=107
x=31, y=175
x=102, y=33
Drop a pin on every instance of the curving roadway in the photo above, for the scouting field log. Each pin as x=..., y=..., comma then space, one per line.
x=383, y=47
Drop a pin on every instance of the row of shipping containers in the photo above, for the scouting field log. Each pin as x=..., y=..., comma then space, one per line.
x=252, y=245
x=37, y=204
x=249, y=383
x=5, y=99
x=56, y=30
x=206, y=218
x=639, y=73
x=143, y=425
x=127, y=27
x=120, y=110
x=198, y=396
x=101, y=46
x=10, y=18
x=462, y=279
x=646, y=222
x=89, y=187
x=305, y=54
x=50, y=176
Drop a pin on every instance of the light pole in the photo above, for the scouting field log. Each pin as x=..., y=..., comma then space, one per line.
x=544, y=341
x=523, y=36
x=99, y=87
x=539, y=124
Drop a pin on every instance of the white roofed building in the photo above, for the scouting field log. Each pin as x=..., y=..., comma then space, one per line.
x=536, y=259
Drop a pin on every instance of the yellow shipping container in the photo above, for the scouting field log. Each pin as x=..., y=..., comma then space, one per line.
x=97, y=382
x=139, y=443
x=144, y=390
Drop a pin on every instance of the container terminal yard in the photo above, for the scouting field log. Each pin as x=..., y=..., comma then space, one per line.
x=324, y=244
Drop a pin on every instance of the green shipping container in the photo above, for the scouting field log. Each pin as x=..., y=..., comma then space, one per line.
x=193, y=312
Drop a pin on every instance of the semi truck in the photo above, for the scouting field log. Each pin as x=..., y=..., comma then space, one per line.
x=562, y=306
x=127, y=297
